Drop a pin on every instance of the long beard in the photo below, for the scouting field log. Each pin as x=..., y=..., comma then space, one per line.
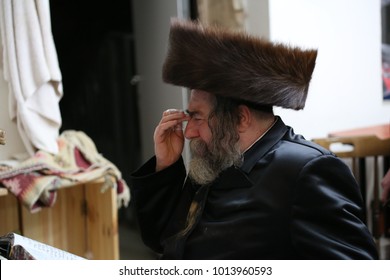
x=208, y=161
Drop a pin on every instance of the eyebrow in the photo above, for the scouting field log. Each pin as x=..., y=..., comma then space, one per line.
x=191, y=113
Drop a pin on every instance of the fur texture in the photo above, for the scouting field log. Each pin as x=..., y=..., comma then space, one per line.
x=237, y=65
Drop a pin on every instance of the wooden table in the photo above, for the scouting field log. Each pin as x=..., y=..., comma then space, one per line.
x=382, y=132
x=83, y=221
x=371, y=141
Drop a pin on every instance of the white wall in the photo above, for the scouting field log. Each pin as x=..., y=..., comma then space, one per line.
x=346, y=88
x=257, y=17
x=151, y=23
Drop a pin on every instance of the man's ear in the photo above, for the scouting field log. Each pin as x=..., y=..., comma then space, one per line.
x=245, y=118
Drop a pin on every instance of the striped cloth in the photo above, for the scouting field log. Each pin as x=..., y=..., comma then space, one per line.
x=35, y=181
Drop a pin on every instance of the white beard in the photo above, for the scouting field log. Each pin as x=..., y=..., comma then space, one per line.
x=206, y=165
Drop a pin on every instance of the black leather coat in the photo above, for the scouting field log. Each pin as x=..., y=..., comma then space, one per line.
x=291, y=199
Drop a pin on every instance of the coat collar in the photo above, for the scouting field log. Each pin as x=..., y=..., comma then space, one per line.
x=262, y=146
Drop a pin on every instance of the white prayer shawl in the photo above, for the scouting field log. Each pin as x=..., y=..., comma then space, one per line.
x=32, y=71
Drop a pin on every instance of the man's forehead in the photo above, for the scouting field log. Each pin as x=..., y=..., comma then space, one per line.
x=200, y=102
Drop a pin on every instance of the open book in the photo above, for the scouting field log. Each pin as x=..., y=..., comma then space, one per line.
x=17, y=247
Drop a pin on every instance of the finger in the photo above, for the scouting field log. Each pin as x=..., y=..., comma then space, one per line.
x=167, y=127
x=172, y=116
x=176, y=119
x=171, y=112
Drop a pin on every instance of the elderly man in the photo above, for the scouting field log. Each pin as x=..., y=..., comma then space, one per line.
x=254, y=189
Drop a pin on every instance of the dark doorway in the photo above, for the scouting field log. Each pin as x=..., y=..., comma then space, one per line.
x=95, y=47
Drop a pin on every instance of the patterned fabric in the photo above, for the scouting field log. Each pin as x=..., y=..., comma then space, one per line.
x=35, y=181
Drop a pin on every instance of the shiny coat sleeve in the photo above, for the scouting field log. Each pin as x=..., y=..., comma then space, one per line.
x=155, y=196
x=326, y=216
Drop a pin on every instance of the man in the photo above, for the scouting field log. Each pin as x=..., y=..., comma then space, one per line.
x=254, y=190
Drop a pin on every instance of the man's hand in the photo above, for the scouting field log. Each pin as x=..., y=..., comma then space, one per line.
x=169, y=138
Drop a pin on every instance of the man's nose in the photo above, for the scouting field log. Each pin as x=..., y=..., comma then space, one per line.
x=191, y=130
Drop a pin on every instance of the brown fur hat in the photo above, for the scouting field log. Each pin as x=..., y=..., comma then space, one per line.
x=237, y=65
